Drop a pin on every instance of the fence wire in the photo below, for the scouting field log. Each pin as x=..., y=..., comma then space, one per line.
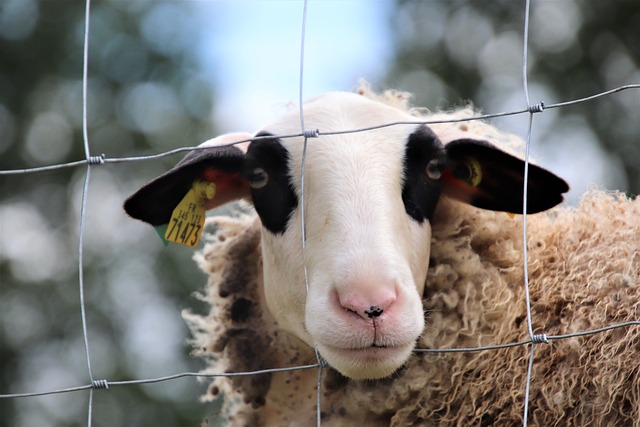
x=90, y=161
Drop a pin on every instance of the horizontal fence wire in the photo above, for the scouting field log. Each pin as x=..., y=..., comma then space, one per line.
x=105, y=384
x=546, y=338
x=102, y=160
x=537, y=339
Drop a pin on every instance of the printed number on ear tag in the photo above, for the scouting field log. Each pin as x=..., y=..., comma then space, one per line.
x=187, y=220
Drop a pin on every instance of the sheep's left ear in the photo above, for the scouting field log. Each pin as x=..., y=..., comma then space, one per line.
x=482, y=175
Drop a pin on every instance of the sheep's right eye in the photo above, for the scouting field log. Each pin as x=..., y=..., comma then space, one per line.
x=258, y=178
x=434, y=169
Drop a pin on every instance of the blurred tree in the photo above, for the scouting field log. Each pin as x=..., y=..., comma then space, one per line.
x=447, y=51
x=145, y=95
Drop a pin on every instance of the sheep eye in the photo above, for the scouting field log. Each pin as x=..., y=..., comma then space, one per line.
x=434, y=169
x=258, y=178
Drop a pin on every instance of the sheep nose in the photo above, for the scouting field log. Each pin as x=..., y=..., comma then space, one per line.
x=369, y=303
x=374, y=311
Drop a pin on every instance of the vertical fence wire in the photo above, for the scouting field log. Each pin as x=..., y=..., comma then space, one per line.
x=533, y=109
x=83, y=209
x=303, y=178
x=525, y=261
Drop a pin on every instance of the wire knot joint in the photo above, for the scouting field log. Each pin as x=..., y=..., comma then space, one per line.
x=100, y=384
x=96, y=160
x=311, y=133
x=537, y=108
x=540, y=339
x=323, y=363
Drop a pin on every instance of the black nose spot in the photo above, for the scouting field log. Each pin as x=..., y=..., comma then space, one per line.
x=374, y=311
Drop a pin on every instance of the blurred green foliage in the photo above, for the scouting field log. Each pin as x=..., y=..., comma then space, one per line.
x=451, y=51
x=145, y=95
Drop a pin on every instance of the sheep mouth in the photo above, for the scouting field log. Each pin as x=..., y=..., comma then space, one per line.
x=371, y=362
x=373, y=349
x=374, y=345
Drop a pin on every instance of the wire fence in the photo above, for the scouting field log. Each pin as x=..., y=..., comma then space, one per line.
x=90, y=161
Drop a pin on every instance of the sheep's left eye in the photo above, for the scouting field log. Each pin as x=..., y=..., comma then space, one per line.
x=434, y=169
x=258, y=178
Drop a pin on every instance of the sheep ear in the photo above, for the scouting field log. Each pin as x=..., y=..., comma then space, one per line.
x=155, y=201
x=482, y=175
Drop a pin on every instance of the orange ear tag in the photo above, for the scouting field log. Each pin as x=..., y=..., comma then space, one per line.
x=187, y=220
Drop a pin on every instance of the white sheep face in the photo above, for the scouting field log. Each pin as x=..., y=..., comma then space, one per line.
x=366, y=258
x=369, y=197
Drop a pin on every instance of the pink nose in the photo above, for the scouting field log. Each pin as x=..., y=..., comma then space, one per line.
x=368, y=303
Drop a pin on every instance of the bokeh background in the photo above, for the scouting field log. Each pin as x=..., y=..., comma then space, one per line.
x=166, y=74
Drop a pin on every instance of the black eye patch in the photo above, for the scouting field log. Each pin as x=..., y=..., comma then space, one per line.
x=424, y=158
x=266, y=169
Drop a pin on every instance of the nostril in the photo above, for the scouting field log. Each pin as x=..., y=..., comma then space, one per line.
x=371, y=303
x=374, y=311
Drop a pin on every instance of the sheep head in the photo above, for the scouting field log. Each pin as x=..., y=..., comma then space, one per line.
x=369, y=199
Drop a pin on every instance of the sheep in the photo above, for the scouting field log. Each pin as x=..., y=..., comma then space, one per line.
x=397, y=257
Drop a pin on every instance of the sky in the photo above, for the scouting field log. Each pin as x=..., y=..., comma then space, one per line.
x=253, y=48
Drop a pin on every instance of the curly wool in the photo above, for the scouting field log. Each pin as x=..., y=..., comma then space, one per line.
x=584, y=271
x=584, y=268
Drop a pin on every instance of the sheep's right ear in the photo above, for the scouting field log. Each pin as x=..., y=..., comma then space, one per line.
x=219, y=163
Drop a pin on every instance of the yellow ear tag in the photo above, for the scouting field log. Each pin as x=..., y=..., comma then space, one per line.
x=511, y=215
x=475, y=171
x=187, y=220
